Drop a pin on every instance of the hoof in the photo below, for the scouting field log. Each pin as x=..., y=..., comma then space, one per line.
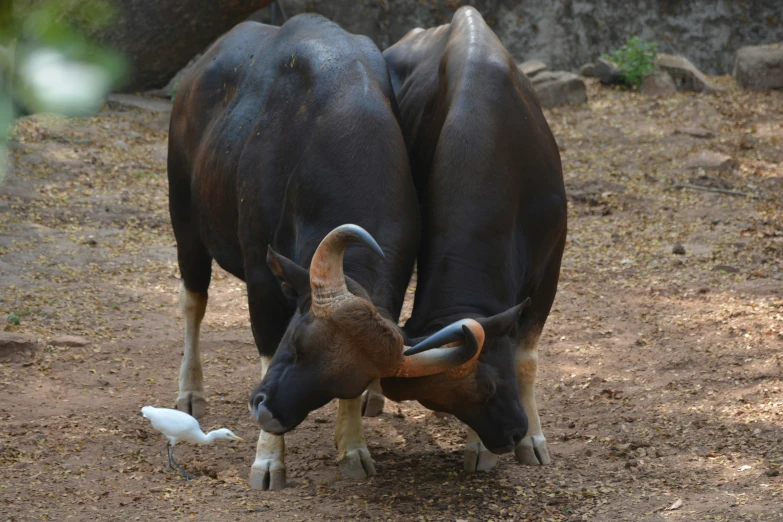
x=356, y=464
x=533, y=451
x=372, y=404
x=479, y=458
x=192, y=403
x=263, y=478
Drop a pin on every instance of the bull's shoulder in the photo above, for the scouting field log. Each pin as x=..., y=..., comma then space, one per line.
x=215, y=77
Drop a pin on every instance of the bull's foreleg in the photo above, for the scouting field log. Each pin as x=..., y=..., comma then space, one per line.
x=353, y=457
x=373, y=400
x=532, y=450
x=477, y=456
x=191, y=380
x=268, y=470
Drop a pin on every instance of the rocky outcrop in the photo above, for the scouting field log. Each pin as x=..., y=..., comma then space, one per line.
x=685, y=75
x=559, y=88
x=606, y=71
x=587, y=70
x=658, y=83
x=760, y=67
x=532, y=67
x=567, y=33
x=160, y=36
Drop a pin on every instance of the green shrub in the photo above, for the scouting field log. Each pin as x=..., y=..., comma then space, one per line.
x=635, y=59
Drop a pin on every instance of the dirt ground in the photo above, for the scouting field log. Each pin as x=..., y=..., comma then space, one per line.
x=661, y=373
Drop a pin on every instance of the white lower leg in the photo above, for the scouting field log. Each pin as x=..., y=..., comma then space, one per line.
x=477, y=456
x=268, y=470
x=533, y=449
x=191, y=381
x=353, y=457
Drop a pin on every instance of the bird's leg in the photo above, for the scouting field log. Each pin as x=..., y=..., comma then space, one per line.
x=173, y=464
x=168, y=450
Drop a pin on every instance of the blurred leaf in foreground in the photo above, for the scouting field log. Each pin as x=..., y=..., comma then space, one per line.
x=46, y=65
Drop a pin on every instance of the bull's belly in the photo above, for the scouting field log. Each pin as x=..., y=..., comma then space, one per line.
x=231, y=262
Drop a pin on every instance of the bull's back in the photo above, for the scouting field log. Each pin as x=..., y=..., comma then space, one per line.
x=486, y=166
x=272, y=117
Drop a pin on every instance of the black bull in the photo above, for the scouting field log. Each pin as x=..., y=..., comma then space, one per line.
x=488, y=176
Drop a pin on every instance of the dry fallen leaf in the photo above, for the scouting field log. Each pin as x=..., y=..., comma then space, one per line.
x=677, y=505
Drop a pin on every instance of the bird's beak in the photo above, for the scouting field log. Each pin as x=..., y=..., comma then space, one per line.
x=239, y=439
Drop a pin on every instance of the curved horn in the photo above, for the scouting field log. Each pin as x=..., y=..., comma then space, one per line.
x=327, y=280
x=438, y=353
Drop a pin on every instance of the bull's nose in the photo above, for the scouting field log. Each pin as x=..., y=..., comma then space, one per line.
x=255, y=402
x=266, y=420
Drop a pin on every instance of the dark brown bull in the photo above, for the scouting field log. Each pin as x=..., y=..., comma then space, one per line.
x=281, y=136
x=488, y=175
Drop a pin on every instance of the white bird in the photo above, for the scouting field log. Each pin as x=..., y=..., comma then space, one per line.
x=178, y=426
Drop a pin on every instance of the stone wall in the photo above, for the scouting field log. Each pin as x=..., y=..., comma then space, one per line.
x=567, y=33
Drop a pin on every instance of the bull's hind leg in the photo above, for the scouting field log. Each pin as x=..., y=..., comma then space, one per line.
x=191, y=378
x=353, y=457
x=195, y=266
x=532, y=450
x=268, y=469
x=373, y=400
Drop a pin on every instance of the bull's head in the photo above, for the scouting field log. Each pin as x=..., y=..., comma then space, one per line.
x=337, y=342
x=483, y=393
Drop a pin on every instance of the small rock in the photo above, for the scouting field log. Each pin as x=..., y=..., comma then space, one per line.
x=122, y=145
x=587, y=70
x=678, y=249
x=559, y=88
x=759, y=67
x=13, y=346
x=748, y=142
x=711, y=160
x=778, y=276
x=532, y=67
x=658, y=83
x=725, y=268
x=685, y=75
x=72, y=341
x=774, y=472
x=696, y=132
x=606, y=71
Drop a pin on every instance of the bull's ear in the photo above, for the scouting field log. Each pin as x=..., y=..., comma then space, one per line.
x=504, y=322
x=294, y=279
